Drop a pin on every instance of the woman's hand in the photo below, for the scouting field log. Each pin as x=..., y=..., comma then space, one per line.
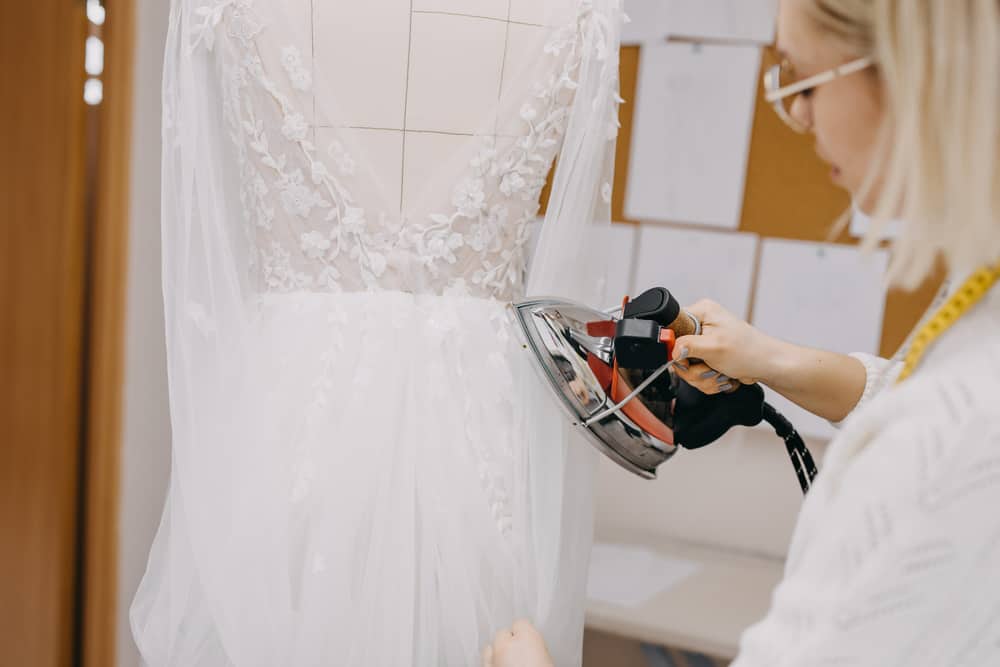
x=521, y=646
x=827, y=384
x=728, y=348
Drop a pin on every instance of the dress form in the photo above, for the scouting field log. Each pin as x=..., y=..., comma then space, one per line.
x=407, y=82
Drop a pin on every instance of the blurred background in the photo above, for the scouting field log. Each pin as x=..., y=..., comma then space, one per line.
x=681, y=564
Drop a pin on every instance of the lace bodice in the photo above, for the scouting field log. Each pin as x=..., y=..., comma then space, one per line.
x=313, y=212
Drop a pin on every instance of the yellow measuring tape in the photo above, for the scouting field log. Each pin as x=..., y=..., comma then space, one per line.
x=967, y=296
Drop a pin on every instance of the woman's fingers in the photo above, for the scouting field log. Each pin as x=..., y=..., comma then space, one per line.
x=701, y=377
x=697, y=369
x=523, y=626
x=521, y=646
x=501, y=640
x=729, y=344
x=701, y=347
x=703, y=310
x=488, y=656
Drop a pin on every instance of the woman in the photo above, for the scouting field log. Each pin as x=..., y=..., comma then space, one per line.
x=894, y=557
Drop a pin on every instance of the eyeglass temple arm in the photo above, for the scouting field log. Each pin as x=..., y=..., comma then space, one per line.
x=819, y=79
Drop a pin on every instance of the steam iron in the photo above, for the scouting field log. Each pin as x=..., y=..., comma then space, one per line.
x=578, y=351
x=611, y=373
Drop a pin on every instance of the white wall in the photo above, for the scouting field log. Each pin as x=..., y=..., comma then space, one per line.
x=146, y=434
x=739, y=494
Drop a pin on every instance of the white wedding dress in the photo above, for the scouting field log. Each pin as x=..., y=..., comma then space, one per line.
x=365, y=470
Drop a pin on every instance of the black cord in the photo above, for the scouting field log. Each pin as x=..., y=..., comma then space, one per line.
x=802, y=460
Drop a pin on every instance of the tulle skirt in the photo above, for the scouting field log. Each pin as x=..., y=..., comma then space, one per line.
x=386, y=483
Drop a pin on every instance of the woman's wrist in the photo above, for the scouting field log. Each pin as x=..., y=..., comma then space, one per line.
x=825, y=383
x=777, y=358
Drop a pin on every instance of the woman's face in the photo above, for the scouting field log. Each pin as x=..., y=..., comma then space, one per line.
x=843, y=115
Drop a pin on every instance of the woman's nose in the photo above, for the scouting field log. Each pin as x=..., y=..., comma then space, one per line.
x=801, y=111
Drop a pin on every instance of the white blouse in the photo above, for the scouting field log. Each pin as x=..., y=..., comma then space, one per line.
x=896, y=554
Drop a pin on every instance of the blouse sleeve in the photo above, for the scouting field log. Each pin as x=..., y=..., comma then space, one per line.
x=878, y=374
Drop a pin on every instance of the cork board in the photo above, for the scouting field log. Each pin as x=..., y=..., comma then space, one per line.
x=788, y=194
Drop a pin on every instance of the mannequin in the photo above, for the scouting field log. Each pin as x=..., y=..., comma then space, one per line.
x=414, y=80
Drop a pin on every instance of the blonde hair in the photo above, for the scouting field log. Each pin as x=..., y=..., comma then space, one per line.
x=939, y=62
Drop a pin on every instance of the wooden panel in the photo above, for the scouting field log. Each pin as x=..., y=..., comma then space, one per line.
x=106, y=324
x=788, y=189
x=788, y=194
x=601, y=649
x=628, y=80
x=41, y=264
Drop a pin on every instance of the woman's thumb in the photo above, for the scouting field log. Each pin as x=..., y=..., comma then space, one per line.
x=685, y=347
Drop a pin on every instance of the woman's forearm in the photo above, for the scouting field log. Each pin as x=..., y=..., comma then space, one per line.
x=827, y=384
x=824, y=383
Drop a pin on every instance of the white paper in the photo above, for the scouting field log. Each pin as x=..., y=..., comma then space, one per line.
x=691, y=136
x=861, y=223
x=646, y=22
x=621, y=246
x=628, y=575
x=826, y=296
x=695, y=264
x=750, y=20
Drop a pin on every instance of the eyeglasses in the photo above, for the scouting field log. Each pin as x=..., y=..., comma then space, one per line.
x=781, y=88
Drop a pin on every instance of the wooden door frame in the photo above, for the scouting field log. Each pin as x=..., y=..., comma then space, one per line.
x=107, y=275
x=42, y=255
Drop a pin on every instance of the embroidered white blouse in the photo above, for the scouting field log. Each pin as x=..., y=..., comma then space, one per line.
x=895, y=558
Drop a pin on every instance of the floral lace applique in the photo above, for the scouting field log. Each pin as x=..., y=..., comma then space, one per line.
x=243, y=22
x=335, y=224
x=300, y=77
x=494, y=206
x=306, y=230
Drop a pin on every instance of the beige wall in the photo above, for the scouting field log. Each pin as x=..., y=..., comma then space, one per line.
x=739, y=494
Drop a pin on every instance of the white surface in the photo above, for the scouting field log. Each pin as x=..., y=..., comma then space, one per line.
x=750, y=20
x=369, y=96
x=823, y=295
x=738, y=499
x=490, y=8
x=739, y=494
x=819, y=295
x=705, y=612
x=646, y=22
x=146, y=419
x=695, y=264
x=450, y=53
x=693, y=120
x=805, y=422
x=542, y=12
x=627, y=575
